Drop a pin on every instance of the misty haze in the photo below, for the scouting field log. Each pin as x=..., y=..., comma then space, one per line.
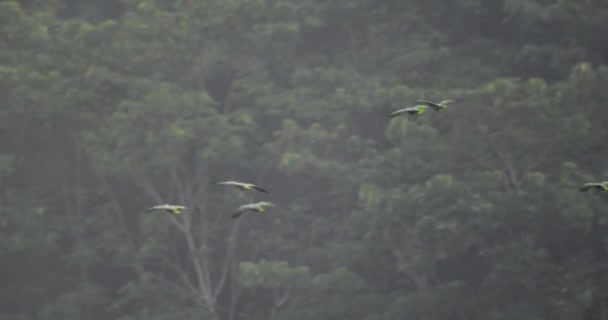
x=303, y=160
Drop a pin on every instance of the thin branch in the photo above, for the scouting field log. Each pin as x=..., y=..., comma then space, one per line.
x=195, y=296
x=119, y=212
x=511, y=172
x=207, y=274
x=229, y=257
x=278, y=304
x=177, y=182
x=178, y=224
x=203, y=284
x=202, y=268
x=176, y=268
x=539, y=159
x=234, y=291
x=150, y=190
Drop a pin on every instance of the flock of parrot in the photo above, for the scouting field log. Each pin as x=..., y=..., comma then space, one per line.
x=243, y=186
x=261, y=206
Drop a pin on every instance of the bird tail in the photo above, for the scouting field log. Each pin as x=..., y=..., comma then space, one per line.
x=237, y=214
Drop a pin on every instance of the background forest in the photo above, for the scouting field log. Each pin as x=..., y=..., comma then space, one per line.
x=110, y=107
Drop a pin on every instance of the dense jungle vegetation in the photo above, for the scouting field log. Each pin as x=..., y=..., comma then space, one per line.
x=471, y=213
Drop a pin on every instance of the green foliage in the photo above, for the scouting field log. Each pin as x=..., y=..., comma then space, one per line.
x=273, y=274
x=469, y=213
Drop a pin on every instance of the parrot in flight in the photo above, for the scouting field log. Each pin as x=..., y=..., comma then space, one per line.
x=255, y=207
x=415, y=110
x=600, y=186
x=169, y=208
x=241, y=186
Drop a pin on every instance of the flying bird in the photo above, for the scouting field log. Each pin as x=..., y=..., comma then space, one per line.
x=415, y=110
x=437, y=106
x=256, y=207
x=169, y=208
x=241, y=185
x=601, y=186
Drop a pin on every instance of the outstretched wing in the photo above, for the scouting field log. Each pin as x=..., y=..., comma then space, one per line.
x=429, y=103
x=159, y=207
x=585, y=187
x=259, y=189
x=228, y=183
x=399, y=112
x=169, y=208
x=241, y=210
x=411, y=110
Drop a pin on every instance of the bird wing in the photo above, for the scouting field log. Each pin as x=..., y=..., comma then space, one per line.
x=445, y=103
x=408, y=109
x=429, y=103
x=241, y=210
x=259, y=189
x=246, y=207
x=228, y=183
x=168, y=208
x=160, y=207
x=585, y=187
x=398, y=112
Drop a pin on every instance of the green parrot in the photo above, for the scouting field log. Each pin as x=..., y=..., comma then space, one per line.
x=241, y=185
x=415, y=110
x=255, y=207
x=169, y=208
x=601, y=186
x=437, y=106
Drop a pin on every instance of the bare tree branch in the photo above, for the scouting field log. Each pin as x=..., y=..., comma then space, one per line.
x=203, y=286
x=232, y=242
x=235, y=291
x=539, y=159
x=282, y=300
x=149, y=188
x=511, y=172
x=194, y=295
x=119, y=213
x=514, y=176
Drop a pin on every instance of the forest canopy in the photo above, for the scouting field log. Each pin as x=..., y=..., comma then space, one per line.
x=108, y=108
